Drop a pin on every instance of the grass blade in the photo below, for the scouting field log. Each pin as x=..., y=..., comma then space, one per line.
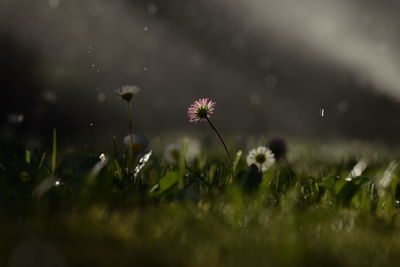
x=42, y=161
x=28, y=156
x=54, y=153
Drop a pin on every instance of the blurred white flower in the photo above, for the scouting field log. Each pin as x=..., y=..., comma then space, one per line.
x=262, y=157
x=127, y=92
x=140, y=143
x=172, y=153
x=193, y=149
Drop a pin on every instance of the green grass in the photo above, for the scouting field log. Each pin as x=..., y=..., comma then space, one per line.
x=301, y=212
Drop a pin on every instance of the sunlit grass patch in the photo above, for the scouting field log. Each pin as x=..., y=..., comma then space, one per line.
x=309, y=208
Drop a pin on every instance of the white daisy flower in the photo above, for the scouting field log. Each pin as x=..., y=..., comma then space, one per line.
x=172, y=153
x=193, y=149
x=127, y=92
x=262, y=157
x=140, y=143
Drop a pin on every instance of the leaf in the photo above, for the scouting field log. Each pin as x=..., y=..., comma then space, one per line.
x=169, y=180
x=350, y=189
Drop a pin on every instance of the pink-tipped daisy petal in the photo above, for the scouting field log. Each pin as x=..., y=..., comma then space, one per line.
x=200, y=110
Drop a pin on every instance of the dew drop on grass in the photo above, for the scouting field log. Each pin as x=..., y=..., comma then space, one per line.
x=397, y=203
x=101, y=97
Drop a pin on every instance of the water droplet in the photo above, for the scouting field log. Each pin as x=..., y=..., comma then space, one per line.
x=271, y=81
x=255, y=99
x=146, y=28
x=342, y=106
x=397, y=204
x=91, y=124
x=152, y=9
x=322, y=112
x=54, y=3
x=145, y=69
x=93, y=65
x=101, y=97
x=264, y=63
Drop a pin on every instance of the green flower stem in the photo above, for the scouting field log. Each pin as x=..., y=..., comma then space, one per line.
x=223, y=143
x=130, y=152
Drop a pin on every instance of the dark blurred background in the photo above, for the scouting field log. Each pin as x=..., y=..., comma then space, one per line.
x=298, y=68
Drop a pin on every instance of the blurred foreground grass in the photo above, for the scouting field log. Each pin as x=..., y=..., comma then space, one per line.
x=331, y=205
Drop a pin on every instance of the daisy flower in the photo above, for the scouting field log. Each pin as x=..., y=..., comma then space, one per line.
x=262, y=157
x=127, y=92
x=172, y=153
x=137, y=143
x=201, y=110
x=193, y=149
